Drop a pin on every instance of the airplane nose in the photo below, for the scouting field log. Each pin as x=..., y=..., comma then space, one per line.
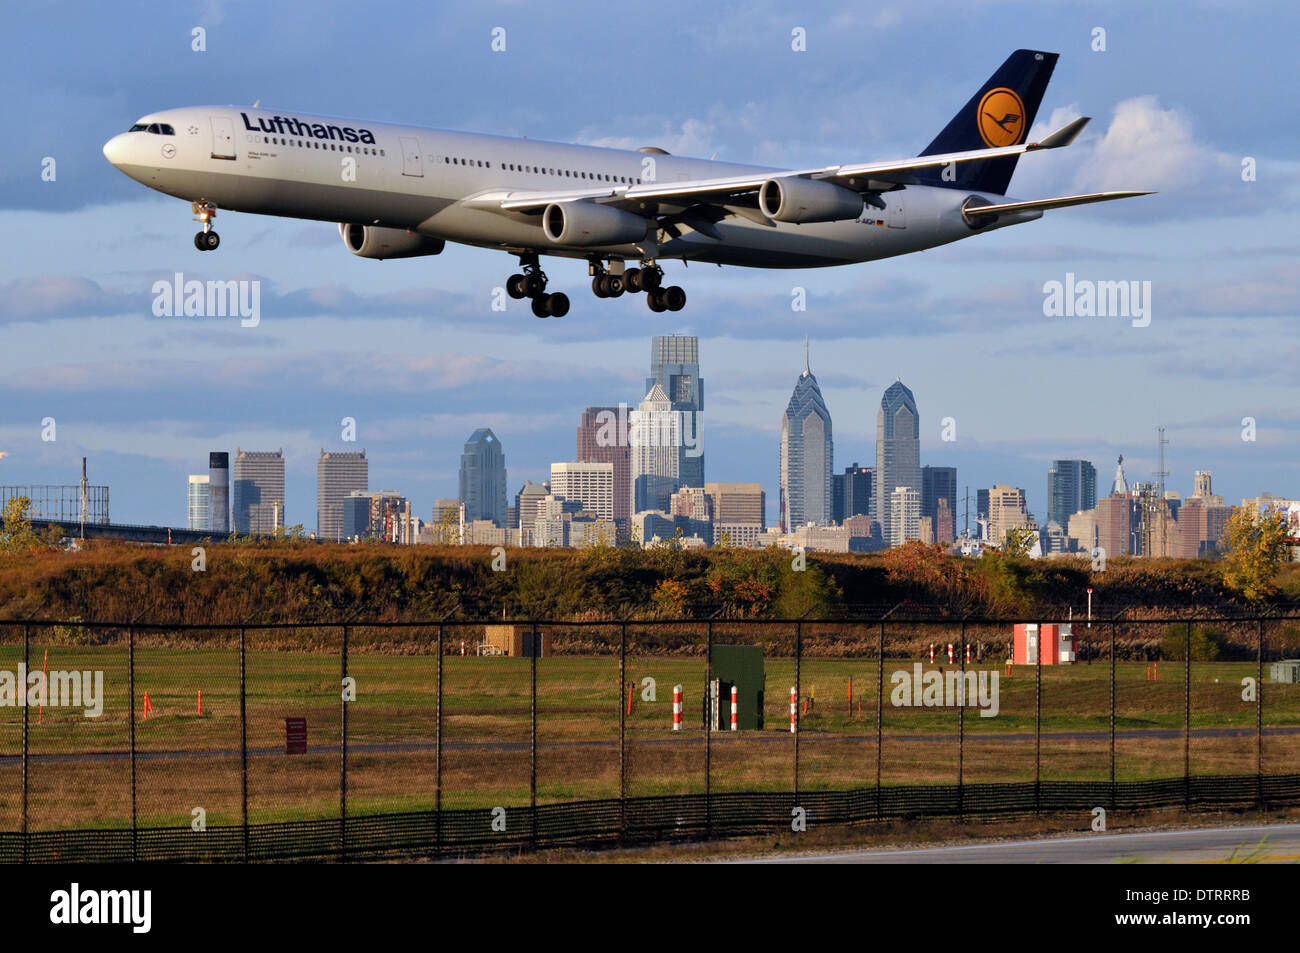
x=115, y=149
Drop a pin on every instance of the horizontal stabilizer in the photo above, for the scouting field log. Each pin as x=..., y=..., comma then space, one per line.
x=974, y=212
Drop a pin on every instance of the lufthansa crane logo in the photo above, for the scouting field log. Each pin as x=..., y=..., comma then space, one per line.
x=1000, y=117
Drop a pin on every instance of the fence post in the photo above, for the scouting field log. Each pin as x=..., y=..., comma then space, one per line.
x=532, y=737
x=1259, y=716
x=1187, y=722
x=961, y=724
x=708, y=731
x=1112, y=715
x=243, y=742
x=880, y=708
x=798, y=710
x=622, y=733
x=437, y=755
x=130, y=678
x=343, y=751
x=1038, y=722
x=27, y=664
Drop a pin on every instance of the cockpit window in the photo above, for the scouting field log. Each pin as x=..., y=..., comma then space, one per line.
x=138, y=127
x=166, y=129
x=157, y=128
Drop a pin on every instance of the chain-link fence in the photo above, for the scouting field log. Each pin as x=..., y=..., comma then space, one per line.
x=154, y=742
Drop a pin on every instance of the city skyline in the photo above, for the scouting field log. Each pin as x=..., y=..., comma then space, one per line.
x=415, y=353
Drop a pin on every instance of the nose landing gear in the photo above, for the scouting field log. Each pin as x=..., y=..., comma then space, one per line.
x=205, y=212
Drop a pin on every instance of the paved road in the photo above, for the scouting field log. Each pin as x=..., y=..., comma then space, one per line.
x=720, y=738
x=1280, y=844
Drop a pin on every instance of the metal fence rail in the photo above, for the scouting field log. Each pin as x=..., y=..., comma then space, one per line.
x=550, y=753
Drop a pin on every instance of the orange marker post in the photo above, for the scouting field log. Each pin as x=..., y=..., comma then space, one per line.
x=200, y=701
x=629, y=697
x=148, y=706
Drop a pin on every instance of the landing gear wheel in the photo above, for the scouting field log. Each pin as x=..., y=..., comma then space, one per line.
x=206, y=241
x=598, y=286
x=650, y=279
x=632, y=280
x=542, y=306
x=558, y=305
x=515, y=286
x=655, y=301
x=613, y=285
x=534, y=285
x=673, y=298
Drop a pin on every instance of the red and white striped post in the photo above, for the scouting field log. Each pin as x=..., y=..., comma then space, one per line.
x=967, y=653
x=794, y=709
x=462, y=649
x=677, y=708
x=735, y=708
x=931, y=653
x=949, y=653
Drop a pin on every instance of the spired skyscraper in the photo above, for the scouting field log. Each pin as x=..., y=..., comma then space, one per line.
x=898, y=452
x=675, y=367
x=655, y=435
x=483, y=478
x=806, y=455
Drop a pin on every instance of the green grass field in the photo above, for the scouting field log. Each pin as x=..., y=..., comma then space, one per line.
x=79, y=776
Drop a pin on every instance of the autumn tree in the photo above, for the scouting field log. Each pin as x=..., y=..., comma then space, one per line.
x=1256, y=542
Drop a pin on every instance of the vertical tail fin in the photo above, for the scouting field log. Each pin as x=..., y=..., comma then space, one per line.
x=1000, y=114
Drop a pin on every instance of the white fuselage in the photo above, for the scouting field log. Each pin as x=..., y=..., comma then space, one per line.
x=447, y=185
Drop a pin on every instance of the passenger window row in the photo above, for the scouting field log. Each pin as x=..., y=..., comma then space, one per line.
x=536, y=170
x=330, y=146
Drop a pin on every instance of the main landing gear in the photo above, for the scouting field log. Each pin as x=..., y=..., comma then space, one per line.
x=532, y=284
x=205, y=212
x=648, y=279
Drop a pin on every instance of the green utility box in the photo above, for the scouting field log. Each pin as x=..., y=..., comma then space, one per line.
x=741, y=666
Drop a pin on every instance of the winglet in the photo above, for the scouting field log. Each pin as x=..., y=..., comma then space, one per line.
x=1063, y=136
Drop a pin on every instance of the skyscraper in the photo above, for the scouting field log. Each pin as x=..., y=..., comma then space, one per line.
x=1071, y=488
x=258, y=492
x=675, y=367
x=655, y=434
x=939, y=483
x=219, y=492
x=806, y=455
x=602, y=438
x=898, y=452
x=904, y=515
x=196, y=501
x=1006, y=512
x=591, y=484
x=337, y=475
x=739, y=512
x=851, y=493
x=483, y=478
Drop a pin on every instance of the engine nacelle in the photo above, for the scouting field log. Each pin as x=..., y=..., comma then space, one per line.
x=585, y=224
x=372, y=241
x=807, y=200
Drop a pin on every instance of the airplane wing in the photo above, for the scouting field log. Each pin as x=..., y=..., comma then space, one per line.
x=740, y=191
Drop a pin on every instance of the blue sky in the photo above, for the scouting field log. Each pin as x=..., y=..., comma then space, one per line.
x=412, y=350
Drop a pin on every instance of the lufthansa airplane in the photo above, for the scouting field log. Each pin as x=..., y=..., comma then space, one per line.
x=405, y=191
